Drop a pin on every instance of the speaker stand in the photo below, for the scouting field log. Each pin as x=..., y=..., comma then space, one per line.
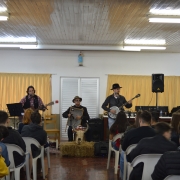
x=156, y=100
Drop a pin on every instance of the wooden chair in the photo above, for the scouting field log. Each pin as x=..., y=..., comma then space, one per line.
x=52, y=119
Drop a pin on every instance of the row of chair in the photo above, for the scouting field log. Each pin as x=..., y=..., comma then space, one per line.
x=16, y=170
x=149, y=160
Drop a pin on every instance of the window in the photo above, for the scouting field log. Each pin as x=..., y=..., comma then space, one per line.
x=87, y=88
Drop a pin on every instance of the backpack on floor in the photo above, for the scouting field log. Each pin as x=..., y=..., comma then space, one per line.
x=101, y=148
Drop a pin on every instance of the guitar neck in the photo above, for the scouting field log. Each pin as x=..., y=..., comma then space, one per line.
x=127, y=102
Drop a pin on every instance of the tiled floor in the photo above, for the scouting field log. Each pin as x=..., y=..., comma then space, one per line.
x=66, y=168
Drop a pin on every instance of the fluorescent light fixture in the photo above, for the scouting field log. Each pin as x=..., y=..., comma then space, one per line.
x=145, y=41
x=3, y=18
x=3, y=9
x=144, y=47
x=164, y=16
x=131, y=48
x=19, y=39
x=25, y=46
x=19, y=45
x=164, y=20
x=165, y=11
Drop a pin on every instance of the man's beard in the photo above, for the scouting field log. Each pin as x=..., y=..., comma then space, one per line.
x=116, y=94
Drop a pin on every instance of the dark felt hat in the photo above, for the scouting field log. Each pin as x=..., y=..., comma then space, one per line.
x=77, y=97
x=115, y=86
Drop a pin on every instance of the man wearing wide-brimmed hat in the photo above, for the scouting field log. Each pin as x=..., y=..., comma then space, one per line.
x=85, y=116
x=114, y=100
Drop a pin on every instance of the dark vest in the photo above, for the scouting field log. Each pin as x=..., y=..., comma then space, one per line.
x=27, y=103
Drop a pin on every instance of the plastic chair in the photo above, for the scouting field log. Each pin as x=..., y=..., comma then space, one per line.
x=127, y=165
x=172, y=177
x=28, y=141
x=16, y=169
x=117, y=136
x=149, y=160
x=48, y=154
x=48, y=157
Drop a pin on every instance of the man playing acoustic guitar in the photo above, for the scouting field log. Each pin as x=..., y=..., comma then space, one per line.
x=115, y=100
x=32, y=100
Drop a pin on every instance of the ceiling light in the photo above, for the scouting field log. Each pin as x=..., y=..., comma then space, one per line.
x=3, y=9
x=19, y=39
x=164, y=16
x=131, y=48
x=144, y=47
x=3, y=18
x=145, y=41
x=165, y=11
x=164, y=20
x=19, y=45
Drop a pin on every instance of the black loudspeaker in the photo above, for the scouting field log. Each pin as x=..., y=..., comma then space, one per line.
x=96, y=129
x=157, y=83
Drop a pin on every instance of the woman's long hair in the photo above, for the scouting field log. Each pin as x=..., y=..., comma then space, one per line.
x=175, y=121
x=27, y=116
x=120, y=124
x=136, y=123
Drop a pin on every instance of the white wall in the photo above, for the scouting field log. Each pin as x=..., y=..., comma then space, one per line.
x=96, y=64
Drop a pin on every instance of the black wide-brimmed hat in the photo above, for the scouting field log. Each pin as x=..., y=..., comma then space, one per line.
x=115, y=86
x=77, y=97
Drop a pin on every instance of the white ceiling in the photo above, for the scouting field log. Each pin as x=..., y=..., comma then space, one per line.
x=88, y=22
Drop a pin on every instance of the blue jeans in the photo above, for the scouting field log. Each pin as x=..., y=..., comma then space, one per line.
x=114, y=146
x=110, y=122
x=122, y=164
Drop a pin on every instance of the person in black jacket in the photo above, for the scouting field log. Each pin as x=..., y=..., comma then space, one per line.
x=35, y=130
x=13, y=138
x=135, y=135
x=168, y=164
x=154, y=145
x=84, y=118
x=114, y=100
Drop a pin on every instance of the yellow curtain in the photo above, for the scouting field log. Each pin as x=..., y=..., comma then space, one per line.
x=133, y=85
x=13, y=88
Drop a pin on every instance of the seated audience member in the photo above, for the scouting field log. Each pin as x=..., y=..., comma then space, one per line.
x=135, y=135
x=168, y=164
x=35, y=130
x=119, y=126
x=26, y=119
x=154, y=118
x=175, y=128
x=158, y=144
x=134, y=126
x=13, y=138
x=3, y=134
x=136, y=122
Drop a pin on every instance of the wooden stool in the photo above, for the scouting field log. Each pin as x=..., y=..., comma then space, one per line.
x=52, y=119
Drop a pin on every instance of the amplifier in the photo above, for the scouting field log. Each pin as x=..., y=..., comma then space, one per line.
x=163, y=109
